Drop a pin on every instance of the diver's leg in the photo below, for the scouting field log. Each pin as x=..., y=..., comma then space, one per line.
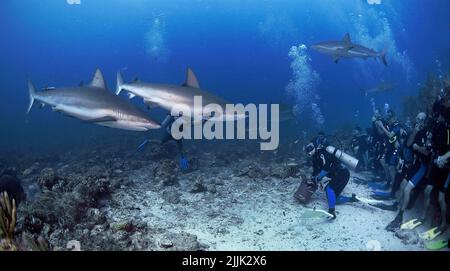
x=406, y=196
x=385, y=168
x=415, y=180
x=366, y=159
x=443, y=206
x=400, y=192
x=392, y=172
x=331, y=198
x=426, y=202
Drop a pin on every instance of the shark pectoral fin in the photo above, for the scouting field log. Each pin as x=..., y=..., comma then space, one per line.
x=150, y=104
x=347, y=48
x=336, y=58
x=102, y=119
x=131, y=95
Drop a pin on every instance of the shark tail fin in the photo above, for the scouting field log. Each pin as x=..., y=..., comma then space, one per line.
x=32, y=93
x=383, y=57
x=119, y=83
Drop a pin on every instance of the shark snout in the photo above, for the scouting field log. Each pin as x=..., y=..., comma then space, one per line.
x=150, y=124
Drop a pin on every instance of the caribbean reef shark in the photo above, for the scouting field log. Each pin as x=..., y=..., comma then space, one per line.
x=167, y=96
x=346, y=49
x=93, y=103
x=382, y=87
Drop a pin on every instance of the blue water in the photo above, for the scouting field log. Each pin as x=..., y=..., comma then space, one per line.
x=239, y=49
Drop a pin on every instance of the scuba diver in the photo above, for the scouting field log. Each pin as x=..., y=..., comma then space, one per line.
x=406, y=168
x=420, y=144
x=439, y=176
x=390, y=128
x=359, y=146
x=376, y=141
x=328, y=173
x=167, y=125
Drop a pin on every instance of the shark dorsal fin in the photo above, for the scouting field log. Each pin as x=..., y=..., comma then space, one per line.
x=191, y=79
x=347, y=39
x=98, y=80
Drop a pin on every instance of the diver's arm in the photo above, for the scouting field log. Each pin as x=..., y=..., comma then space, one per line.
x=422, y=150
x=321, y=174
x=411, y=138
x=441, y=161
x=385, y=131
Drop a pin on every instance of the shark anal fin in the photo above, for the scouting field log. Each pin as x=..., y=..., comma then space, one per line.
x=101, y=119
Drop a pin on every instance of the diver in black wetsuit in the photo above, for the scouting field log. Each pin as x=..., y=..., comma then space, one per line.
x=167, y=124
x=359, y=146
x=418, y=140
x=390, y=129
x=439, y=175
x=406, y=168
x=328, y=173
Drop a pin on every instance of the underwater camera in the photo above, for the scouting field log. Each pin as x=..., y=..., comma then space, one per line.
x=348, y=160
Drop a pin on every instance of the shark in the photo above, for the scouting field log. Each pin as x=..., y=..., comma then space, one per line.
x=168, y=96
x=346, y=49
x=382, y=87
x=93, y=103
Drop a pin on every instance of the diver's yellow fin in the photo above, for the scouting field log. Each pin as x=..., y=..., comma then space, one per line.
x=430, y=234
x=411, y=224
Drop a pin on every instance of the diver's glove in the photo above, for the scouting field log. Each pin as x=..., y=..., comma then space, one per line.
x=184, y=163
x=323, y=183
x=440, y=162
x=143, y=144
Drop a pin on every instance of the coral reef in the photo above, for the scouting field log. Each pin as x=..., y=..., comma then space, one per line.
x=8, y=216
x=426, y=96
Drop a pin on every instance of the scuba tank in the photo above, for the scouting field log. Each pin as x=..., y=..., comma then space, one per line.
x=348, y=160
